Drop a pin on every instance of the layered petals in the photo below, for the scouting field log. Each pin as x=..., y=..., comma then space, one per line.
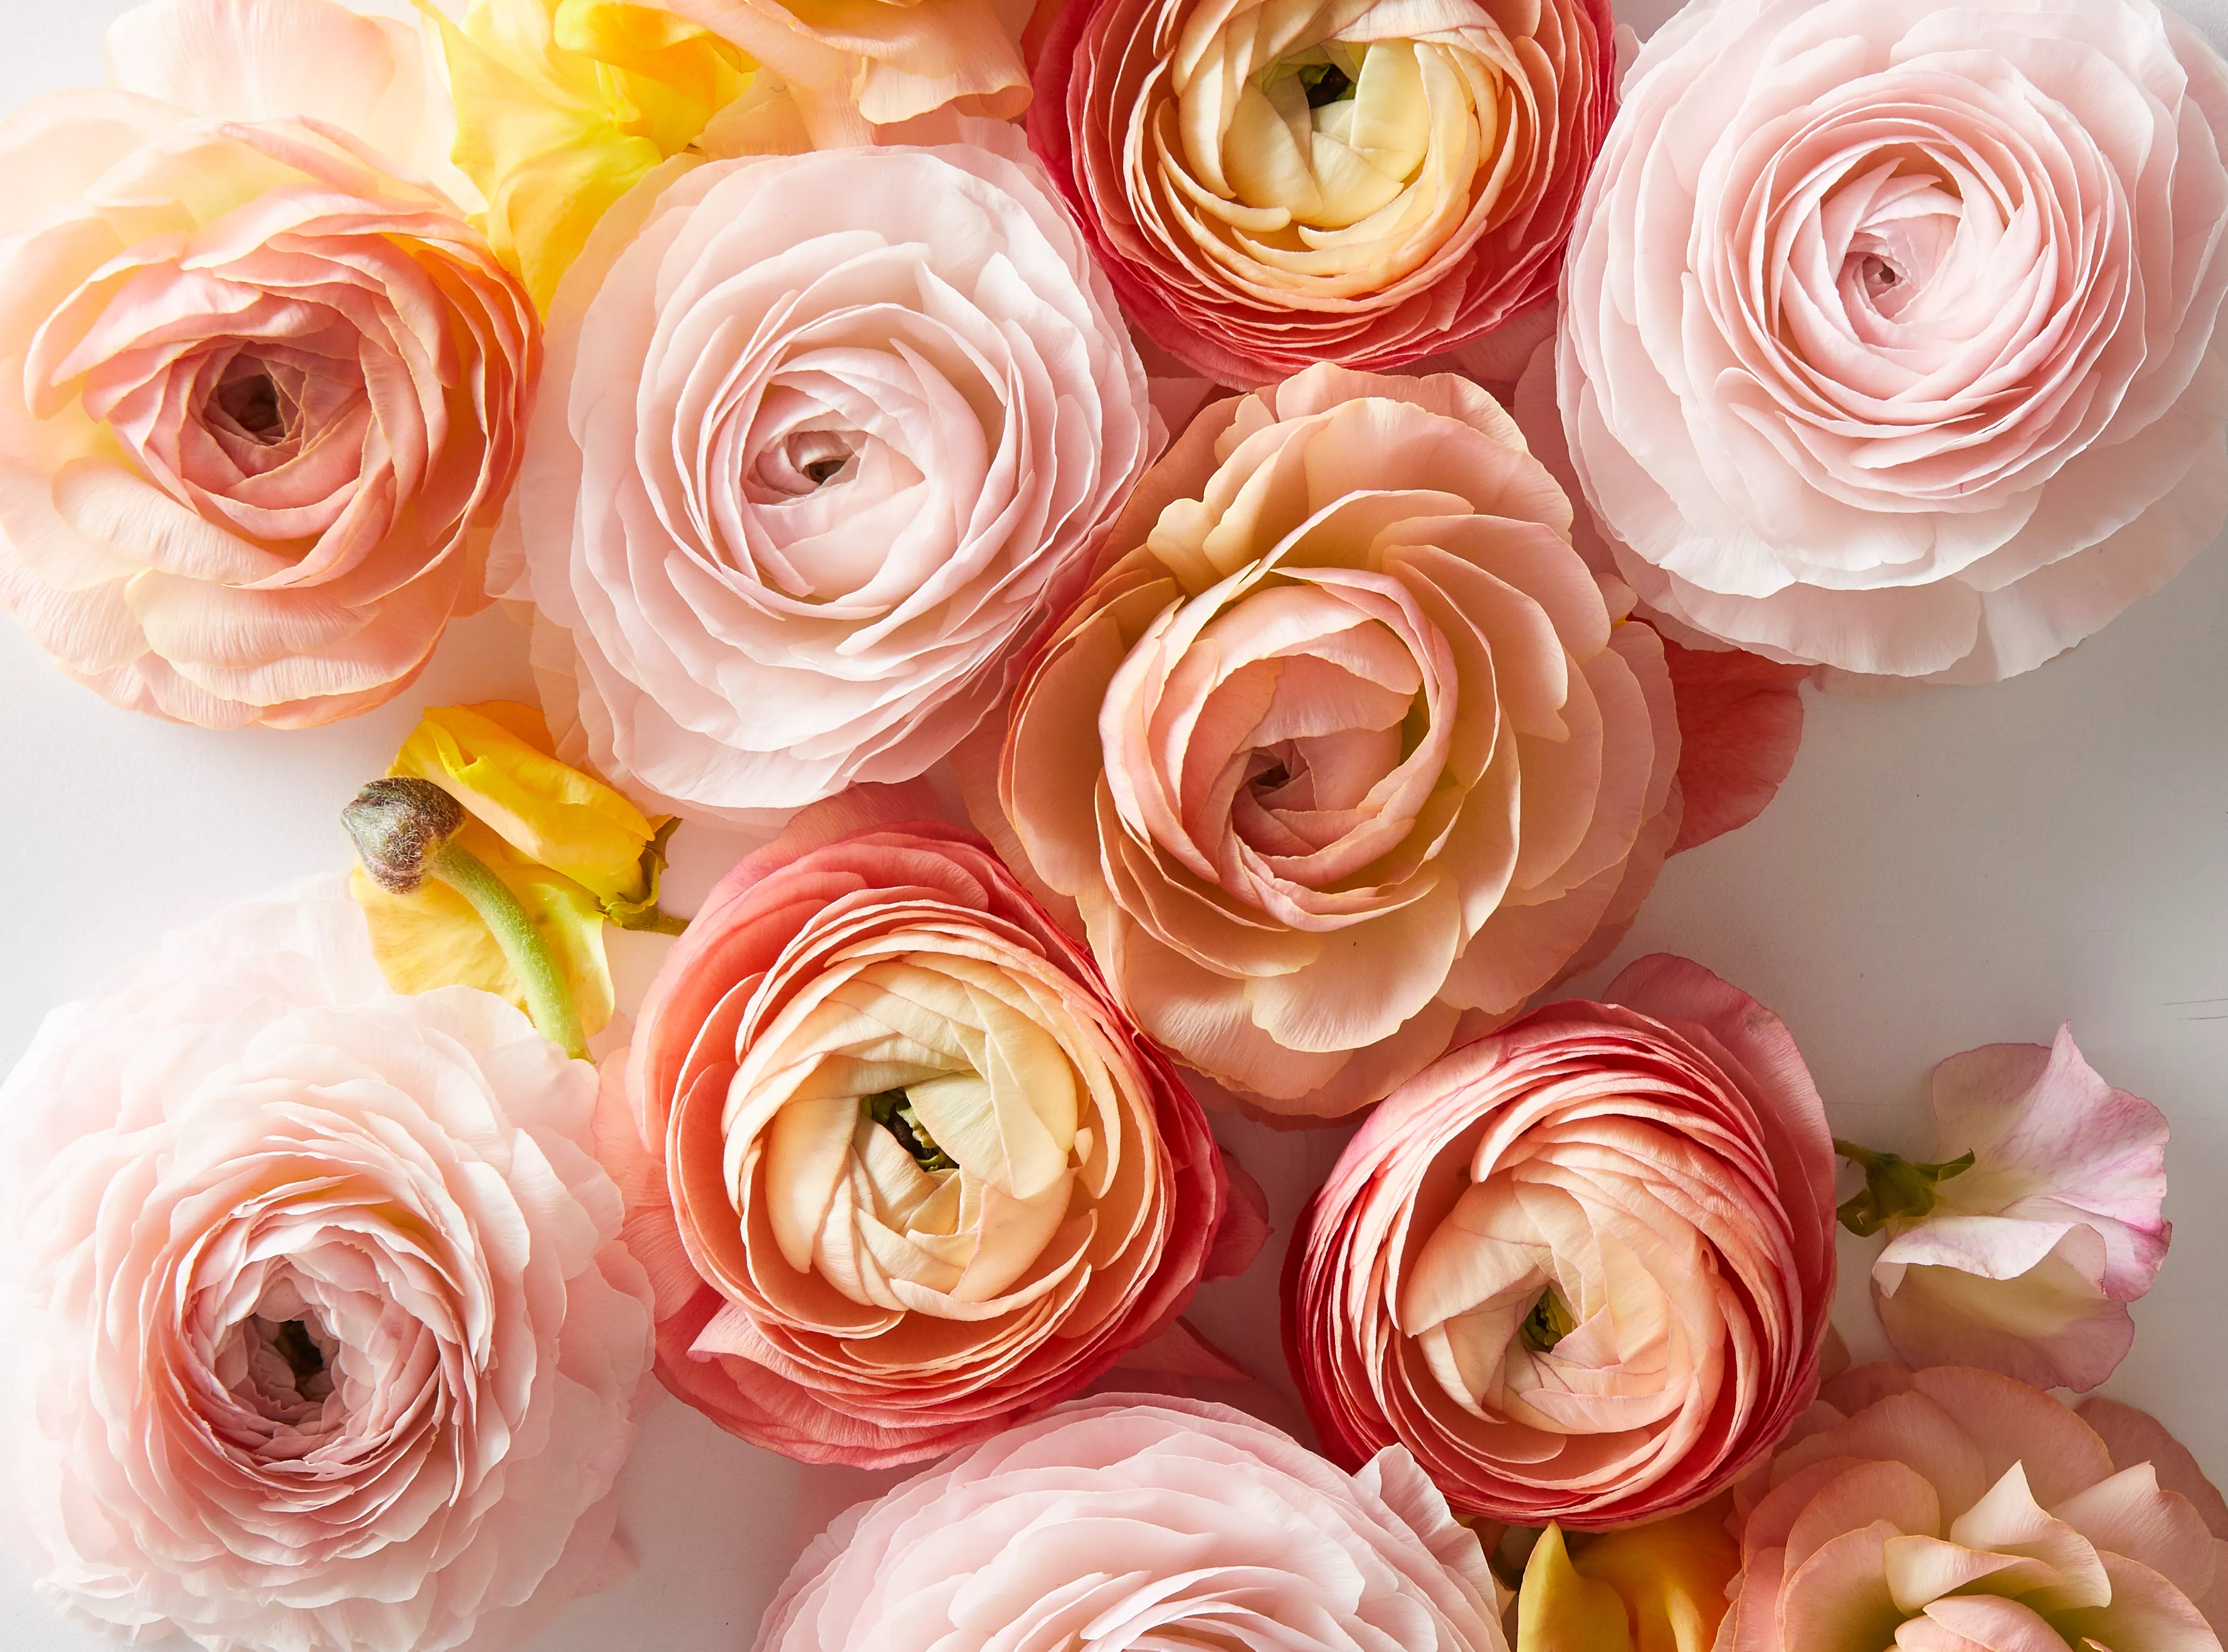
x=265, y=388
x=2027, y=1261
x=1130, y=1525
x=324, y=1339
x=904, y=1172
x=827, y=438
x=1580, y=1268
x=1891, y=331
x=1344, y=741
x=1950, y=1509
x=1272, y=183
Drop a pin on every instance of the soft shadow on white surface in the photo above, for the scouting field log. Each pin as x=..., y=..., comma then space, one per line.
x=1960, y=868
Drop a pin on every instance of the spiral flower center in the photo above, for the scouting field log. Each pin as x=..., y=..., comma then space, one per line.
x=281, y=1363
x=249, y=400
x=1326, y=135
x=808, y=460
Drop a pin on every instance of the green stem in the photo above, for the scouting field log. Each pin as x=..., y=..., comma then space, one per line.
x=654, y=919
x=548, y=1000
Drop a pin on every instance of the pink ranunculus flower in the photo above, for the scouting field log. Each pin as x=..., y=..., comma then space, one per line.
x=325, y=1339
x=1890, y=328
x=1344, y=741
x=825, y=438
x=1131, y=1525
x=1581, y=1268
x=1273, y=184
x=264, y=387
x=901, y=1170
x=1959, y=1510
x=2026, y=1262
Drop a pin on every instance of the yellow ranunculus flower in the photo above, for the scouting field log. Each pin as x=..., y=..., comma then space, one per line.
x=562, y=105
x=570, y=849
x=1654, y=1588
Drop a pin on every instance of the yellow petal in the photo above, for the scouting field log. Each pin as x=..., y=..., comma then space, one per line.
x=433, y=938
x=562, y=105
x=1671, y=1575
x=494, y=759
x=1558, y=1610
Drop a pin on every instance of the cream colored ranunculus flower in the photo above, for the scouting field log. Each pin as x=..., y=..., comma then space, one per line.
x=1273, y=182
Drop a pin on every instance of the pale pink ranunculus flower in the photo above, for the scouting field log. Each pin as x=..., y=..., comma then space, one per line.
x=2027, y=1262
x=824, y=440
x=1272, y=183
x=1343, y=743
x=901, y=1168
x=321, y=1335
x=1890, y=328
x=1132, y=1525
x=1582, y=1267
x=1959, y=1510
x=265, y=387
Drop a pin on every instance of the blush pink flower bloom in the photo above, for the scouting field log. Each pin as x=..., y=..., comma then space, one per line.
x=826, y=438
x=265, y=384
x=1364, y=181
x=2027, y=1262
x=1343, y=742
x=1891, y=329
x=1581, y=1268
x=1129, y=1527
x=900, y=1169
x=1958, y=1510
x=325, y=1339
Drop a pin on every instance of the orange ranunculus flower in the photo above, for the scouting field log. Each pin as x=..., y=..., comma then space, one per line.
x=1275, y=182
x=1344, y=742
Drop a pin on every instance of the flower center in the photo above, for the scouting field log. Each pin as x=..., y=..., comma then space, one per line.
x=892, y=1109
x=1325, y=83
x=249, y=400
x=805, y=461
x=1550, y=1320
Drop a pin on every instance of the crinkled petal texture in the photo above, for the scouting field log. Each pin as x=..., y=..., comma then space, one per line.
x=1889, y=330
x=2027, y=1262
x=901, y=1170
x=1272, y=183
x=1130, y=1525
x=826, y=437
x=261, y=395
x=1959, y=1510
x=1581, y=1268
x=1346, y=742
x=326, y=1339
x=880, y=62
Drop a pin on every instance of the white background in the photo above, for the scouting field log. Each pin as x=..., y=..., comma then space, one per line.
x=1960, y=868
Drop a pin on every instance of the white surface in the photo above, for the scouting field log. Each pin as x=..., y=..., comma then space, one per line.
x=1957, y=868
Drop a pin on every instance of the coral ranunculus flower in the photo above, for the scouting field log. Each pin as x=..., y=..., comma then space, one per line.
x=1346, y=742
x=1891, y=335
x=1277, y=182
x=324, y=1340
x=1119, y=1523
x=1938, y=1510
x=266, y=390
x=826, y=438
x=1581, y=1268
x=901, y=1170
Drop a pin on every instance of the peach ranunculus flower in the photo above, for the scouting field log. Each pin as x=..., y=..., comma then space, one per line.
x=1582, y=1268
x=2025, y=1261
x=323, y=1336
x=1272, y=183
x=901, y=1170
x=1955, y=1508
x=1344, y=741
x=1890, y=332
x=262, y=389
x=1125, y=1525
x=824, y=440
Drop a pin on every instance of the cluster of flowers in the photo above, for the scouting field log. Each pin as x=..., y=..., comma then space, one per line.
x=775, y=359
